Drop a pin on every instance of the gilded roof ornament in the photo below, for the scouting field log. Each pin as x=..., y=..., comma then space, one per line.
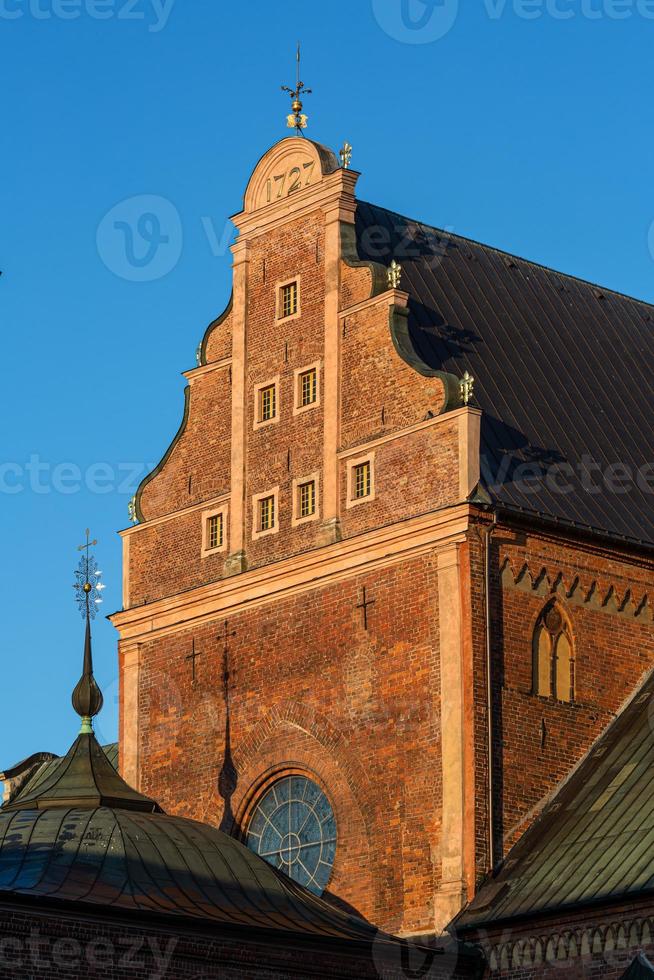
x=394, y=273
x=297, y=120
x=467, y=388
x=346, y=155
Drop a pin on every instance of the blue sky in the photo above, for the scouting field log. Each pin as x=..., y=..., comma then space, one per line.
x=523, y=123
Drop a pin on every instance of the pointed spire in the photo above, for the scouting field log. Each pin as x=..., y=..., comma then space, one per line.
x=87, y=697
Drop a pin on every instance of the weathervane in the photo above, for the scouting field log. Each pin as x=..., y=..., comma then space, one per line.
x=296, y=120
x=88, y=587
x=87, y=696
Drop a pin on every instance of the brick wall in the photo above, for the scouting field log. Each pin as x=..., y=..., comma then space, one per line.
x=40, y=943
x=613, y=650
x=311, y=688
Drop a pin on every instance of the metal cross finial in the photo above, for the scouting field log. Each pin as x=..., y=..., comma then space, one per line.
x=346, y=155
x=89, y=544
x=88, y=587
x=296, y=120
x=394, y=275
x=467, y=388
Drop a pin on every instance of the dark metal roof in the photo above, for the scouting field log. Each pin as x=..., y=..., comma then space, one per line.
x=563, y=369
x=133, y=861
x=595, y=842
x=84, y=777
x=640, y=969
x=39, y=766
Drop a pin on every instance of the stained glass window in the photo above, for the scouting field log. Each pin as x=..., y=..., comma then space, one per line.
x=294, y=829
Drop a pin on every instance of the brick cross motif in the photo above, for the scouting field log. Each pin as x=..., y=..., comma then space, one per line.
x=193, y=656
x=364, y=605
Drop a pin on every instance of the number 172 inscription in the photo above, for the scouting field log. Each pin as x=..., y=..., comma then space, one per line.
x=293, y=180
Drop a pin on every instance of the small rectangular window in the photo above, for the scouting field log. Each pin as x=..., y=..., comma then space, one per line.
x=267, y=403
x=308, y=387
x=307, y=499
x=215, y=531
x=288, y=300
x=266, y=513
x=361, y=485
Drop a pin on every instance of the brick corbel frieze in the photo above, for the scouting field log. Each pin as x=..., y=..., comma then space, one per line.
x=589, y=595
x=567, y=945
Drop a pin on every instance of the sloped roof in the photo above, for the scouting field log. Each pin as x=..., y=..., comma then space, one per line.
x=148, y=862
x=563, y=368
x=85, y=777
x=640, y=969
x=595, y=842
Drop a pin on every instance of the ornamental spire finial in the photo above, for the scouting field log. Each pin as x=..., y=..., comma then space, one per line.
x=297, y=120
x=87, y=697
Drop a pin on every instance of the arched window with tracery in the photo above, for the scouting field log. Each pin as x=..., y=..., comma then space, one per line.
x=553, y=656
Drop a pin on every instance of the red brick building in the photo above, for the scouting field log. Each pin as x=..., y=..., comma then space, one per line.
x=391, y=580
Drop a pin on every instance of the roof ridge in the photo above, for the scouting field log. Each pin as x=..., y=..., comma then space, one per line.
x=512, y=255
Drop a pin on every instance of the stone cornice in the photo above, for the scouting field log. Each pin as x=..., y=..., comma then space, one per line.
x=391, y=297
x=199, y=372
x=436, y=421
x=301, y=573
x=203, y=505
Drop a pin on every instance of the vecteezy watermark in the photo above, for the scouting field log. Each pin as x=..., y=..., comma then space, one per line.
x=141, y=238
x=561, y=477
x=147, y=956
x=155, y=13
x=426, y=21
x=38, y=476
x=406, y=240
x=416, y=21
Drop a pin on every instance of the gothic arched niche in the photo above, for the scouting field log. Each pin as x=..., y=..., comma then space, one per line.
x=553, y=655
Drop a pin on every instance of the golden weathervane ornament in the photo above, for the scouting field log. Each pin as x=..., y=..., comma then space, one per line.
x=297, y=120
